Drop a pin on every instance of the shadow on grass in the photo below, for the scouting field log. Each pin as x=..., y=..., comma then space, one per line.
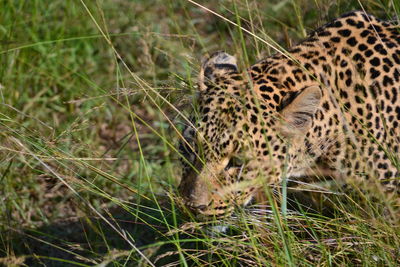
x=91, y=240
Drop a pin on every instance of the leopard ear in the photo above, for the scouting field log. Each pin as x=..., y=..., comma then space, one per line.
x=298, y=115
x=218, y=64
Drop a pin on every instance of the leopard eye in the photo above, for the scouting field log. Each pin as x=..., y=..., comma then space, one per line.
x=234, y=162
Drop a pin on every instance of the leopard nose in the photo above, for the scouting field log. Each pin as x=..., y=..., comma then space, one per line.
x=197, y=208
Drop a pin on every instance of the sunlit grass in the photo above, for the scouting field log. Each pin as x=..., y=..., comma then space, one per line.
x=93, y=95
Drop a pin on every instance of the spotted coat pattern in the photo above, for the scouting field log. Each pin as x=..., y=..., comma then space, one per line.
x=328, y=106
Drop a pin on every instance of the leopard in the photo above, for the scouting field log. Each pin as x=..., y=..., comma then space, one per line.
x=329, y=105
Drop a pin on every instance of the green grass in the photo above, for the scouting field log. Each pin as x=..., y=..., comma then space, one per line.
x=92, y=96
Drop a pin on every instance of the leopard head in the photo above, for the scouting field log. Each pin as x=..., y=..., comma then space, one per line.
x=235, y=144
